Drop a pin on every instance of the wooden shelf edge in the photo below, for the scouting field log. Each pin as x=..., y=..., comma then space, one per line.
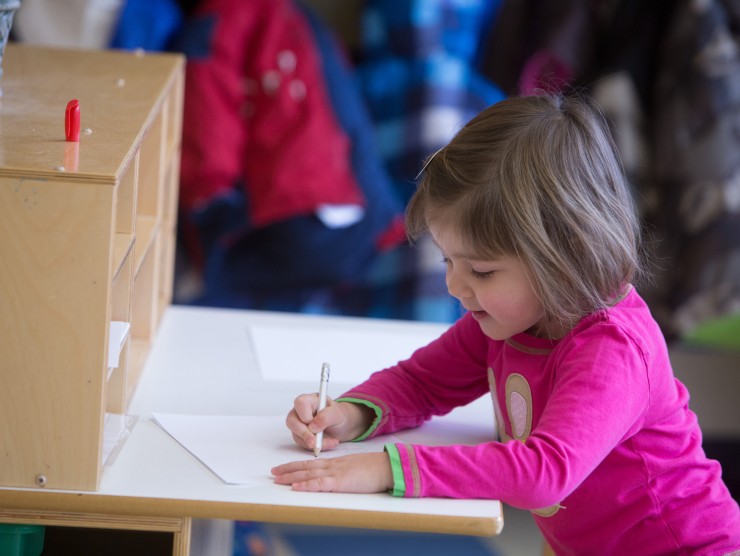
x=122, y=244
x=95, y=521
x=147, y=228
x=137, y=355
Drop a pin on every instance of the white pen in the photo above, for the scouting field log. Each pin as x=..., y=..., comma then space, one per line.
x=323, y=387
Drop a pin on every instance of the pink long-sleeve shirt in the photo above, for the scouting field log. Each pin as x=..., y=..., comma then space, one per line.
x=596, y=435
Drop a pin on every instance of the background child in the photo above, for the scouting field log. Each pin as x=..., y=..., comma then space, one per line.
x=530, y=209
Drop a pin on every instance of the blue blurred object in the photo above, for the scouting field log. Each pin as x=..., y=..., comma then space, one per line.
x=250, y=539
x=147, y=24
x=418, y=74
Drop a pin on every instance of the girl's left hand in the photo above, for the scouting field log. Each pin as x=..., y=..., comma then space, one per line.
x=357, y=473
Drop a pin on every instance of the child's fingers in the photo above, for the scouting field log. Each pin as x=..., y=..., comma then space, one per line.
x=294, y=466
x=304, y=440
x=307, y=440
x=313, y=476
x=305, y=407
x=305, y=435
x=330, y=416
x=370, y=472
x=301, y=434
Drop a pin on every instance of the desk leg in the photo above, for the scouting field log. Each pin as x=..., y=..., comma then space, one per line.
x=181, y=542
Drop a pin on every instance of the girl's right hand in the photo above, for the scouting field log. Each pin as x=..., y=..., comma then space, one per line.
x=340, y=421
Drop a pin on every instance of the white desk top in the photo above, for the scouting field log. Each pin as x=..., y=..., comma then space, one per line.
x=204, y=361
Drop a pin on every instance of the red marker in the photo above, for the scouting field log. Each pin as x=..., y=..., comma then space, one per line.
x=72, y=121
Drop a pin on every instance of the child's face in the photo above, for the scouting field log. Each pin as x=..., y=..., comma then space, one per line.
x=497, y=292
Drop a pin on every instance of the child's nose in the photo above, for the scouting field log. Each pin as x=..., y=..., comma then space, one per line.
x=456, y=285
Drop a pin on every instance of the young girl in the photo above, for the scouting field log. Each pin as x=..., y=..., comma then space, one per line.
x=531, y=212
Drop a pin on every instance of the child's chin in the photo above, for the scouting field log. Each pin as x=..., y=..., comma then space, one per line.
x=494, y=333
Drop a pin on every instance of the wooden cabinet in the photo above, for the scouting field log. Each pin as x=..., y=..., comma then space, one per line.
x=87, y=234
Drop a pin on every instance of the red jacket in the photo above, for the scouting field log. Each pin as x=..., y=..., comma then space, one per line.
x=257, y=112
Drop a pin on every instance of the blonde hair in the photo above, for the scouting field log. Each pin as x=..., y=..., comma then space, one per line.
x=538, y=177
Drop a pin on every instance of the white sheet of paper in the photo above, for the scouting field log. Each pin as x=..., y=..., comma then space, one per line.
x=117, y=336
x=296, y=353
x=240, y=449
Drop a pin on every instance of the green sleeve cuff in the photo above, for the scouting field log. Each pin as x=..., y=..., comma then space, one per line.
x=399, y=483
x=376, y=421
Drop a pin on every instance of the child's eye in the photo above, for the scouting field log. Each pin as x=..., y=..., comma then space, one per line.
x=477, y=274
